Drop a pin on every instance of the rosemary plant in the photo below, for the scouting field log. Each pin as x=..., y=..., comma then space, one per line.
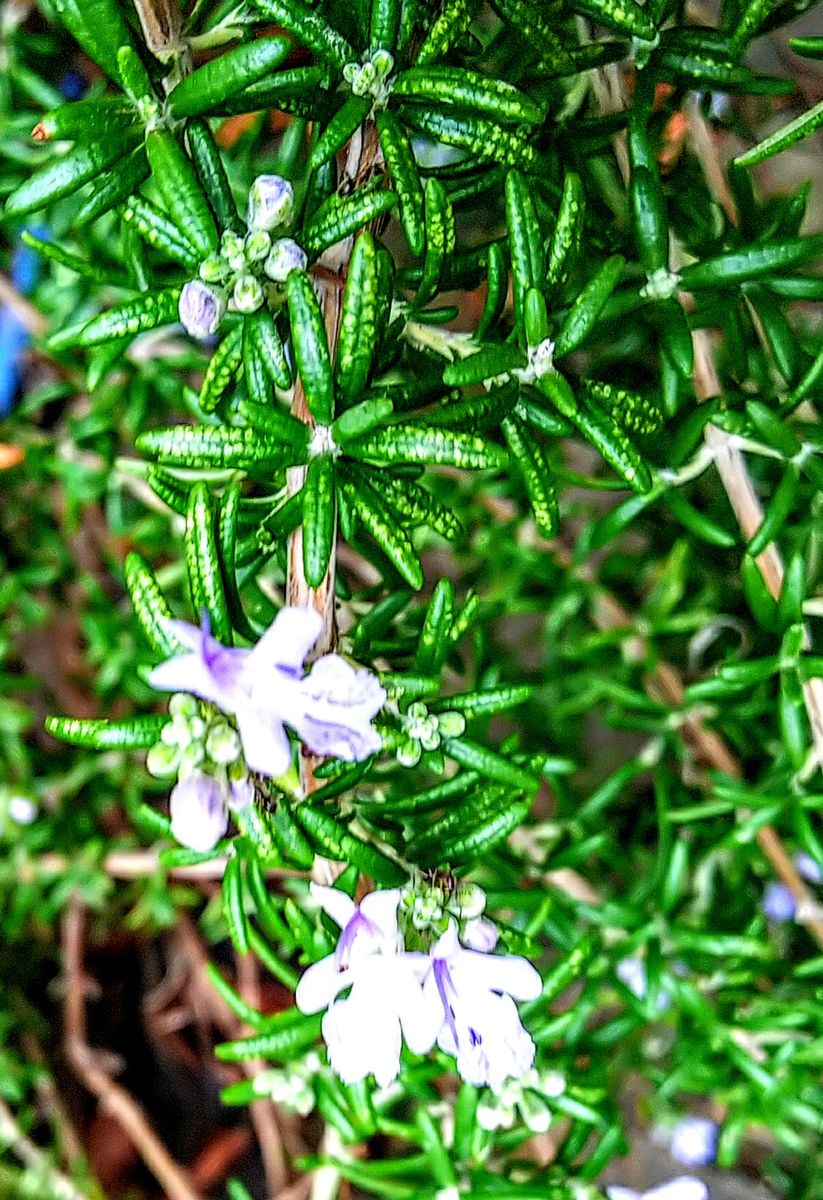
x=451, y=398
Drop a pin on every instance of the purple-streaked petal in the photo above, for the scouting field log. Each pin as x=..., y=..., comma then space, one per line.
x=380, y=908
x=198, y=812
x=287, y=641
x=336, y=741
x=188, y=673
x=265, y=743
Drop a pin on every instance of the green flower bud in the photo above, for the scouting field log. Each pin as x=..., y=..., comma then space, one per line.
x=451, y=724
x=248, y=294
x=408, y=754
x=257, y=245
x=182, y=704
x=213, y=269
x=223, y=744
x=162, y=759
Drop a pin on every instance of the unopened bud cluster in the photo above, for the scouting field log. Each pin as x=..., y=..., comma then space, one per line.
x=523, y=1097
x=424, y=731
x=293, y=1088
x=427, y=907
x=193, y=740
x=247, y=270
x=372, y=77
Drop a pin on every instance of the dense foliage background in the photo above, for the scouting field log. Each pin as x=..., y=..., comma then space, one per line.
x=637, y=788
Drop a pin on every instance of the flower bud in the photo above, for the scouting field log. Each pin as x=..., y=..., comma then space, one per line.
x=480, y=934
x=271, y=202
x=161, y=760
x=257, y=245
x=201, y=309
x=284, y=257
x=198, y=813
x=213, y=269
x=223, y=744
x=248, y=294
x=182, y=704
x=451, y=724
x=22, y=810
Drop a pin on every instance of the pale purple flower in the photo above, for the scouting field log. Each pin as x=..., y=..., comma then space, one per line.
x=473, y=994
x=632, y=972
x=197, y=807
x=481, y=934
x=778, y=902
x=264, y=689
x=364, y=1031
x=694, y=1141
x=284, y=257
x=201, y=309
x=271, y=202
x=808, y=867
x=684, y=1187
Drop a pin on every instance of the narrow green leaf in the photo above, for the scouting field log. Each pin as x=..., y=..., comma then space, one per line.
x=310, y=29
x=358, y=322
x=402, y=167
x=181, y=192
x=150, y=607
x=413, y=444
x=311, y=347
x=228, y=73
x=318, y=518
x=132, y=733
x=381, y=525
x=203, y=562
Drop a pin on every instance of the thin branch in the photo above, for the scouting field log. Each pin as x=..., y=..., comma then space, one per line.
x=111, y=1096
x=11, y=1135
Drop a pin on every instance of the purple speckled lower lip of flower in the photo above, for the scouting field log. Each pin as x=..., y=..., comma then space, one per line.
x=330, y=709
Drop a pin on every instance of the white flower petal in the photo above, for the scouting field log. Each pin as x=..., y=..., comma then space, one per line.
x=507, y=973
x=265, y=742
x=340, y=907
x=198, y=812
x=362, y=1035
x=380, y=908
x=616, y=1192
x=287, y=641
x=684, y=1187
x=319, y=984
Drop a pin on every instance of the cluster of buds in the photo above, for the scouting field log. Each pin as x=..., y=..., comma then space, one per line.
x=424, y=731
x=246, y=271
x=203, y=750
x=372, y=77
x=428, y=906
x=525, y=1097
x=292, y=1089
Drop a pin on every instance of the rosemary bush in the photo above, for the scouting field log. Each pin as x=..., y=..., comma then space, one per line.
x=450, y=401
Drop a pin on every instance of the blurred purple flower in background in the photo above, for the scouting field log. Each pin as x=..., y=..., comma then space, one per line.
x=14, y=336
x=694, y=1141
x=778, y=902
